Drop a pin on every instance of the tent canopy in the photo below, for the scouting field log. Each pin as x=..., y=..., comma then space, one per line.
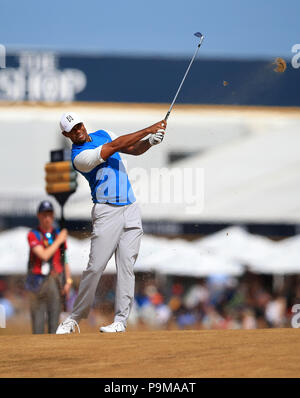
x=226, y=252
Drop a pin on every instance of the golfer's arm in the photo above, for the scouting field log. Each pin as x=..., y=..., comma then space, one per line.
x=124, y=142
x=132, y=144
x=138, y=148
x=90, y=158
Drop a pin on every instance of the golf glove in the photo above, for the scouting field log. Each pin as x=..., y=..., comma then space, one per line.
x=156, y=138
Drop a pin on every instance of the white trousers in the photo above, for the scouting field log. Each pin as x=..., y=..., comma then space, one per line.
x=116, y=230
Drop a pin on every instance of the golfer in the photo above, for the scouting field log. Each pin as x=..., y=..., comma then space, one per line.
x=116, y=219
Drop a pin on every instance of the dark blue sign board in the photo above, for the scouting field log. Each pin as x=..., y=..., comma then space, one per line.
x=48, y=76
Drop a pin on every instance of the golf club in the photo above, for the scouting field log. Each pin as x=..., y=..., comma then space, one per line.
x=197, y=34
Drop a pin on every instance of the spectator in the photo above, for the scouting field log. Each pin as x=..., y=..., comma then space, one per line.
x=185, y=319
x=197, y=294
x=6, y=303
x=275, y=312
x=248, y=319
x=175, y=301
x=48, y=278
x=212, y=319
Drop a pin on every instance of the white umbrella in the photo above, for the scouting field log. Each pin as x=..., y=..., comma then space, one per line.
x=184, y=258
x=237, y=244
x=14, y=251
x=222, y=252
x=285, y=258
x=151, y=247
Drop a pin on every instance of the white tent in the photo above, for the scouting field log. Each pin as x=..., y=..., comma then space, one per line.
x=284, y=259
x=258, y=253
x=161, y=255
x=225, y=252
x=14, y=252
x=179, y=257
x=236, y=243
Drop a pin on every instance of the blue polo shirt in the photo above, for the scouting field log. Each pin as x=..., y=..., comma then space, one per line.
x=108, y=181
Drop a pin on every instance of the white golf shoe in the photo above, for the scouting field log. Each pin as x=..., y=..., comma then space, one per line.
x=67, y=326
x=113, y=328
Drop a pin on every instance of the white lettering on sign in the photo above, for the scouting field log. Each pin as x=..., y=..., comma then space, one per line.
x=39, y=79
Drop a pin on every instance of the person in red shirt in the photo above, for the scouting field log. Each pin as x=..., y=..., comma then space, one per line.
x=48, y=278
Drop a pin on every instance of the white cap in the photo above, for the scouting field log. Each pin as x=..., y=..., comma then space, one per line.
x=69, y=120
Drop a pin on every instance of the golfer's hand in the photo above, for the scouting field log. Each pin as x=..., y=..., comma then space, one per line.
x=157, y=126
x=156, y=138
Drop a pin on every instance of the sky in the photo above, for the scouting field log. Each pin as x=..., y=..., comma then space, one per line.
x=258, y=29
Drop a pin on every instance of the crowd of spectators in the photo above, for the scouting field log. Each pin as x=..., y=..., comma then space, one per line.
x=218, y=302
x=166, y=302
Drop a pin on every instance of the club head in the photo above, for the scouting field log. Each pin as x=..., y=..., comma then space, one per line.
x=198, y=34
x=201, y=37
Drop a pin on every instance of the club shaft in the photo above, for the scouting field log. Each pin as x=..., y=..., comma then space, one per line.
x=185, y=75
